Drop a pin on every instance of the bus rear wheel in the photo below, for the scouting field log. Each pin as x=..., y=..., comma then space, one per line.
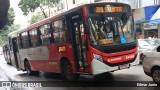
x=29, y=71
x=68, y=71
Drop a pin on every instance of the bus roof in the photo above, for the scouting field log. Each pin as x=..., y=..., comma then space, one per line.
x=14, y=33
x=49, y=19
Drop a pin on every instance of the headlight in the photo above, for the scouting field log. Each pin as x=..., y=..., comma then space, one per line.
x=98, y=57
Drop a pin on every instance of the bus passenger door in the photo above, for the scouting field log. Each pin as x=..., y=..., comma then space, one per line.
x=77, y=31
x=15, y=51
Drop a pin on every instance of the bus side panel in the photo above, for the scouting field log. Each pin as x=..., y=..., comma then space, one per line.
x=12, y=59
x=52, y=64
x=56, y=54
x=45, y=65
x=34, y=54
x=46, y=58
x=20, y=62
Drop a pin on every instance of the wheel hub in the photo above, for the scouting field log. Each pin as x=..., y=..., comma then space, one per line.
x=156, y=76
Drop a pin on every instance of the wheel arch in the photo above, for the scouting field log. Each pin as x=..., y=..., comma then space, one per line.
x=66, y=59
x=62, y=61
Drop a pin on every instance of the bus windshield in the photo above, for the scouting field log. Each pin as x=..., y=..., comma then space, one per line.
x=107, y=30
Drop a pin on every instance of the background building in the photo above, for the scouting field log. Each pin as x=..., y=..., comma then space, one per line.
x=68, y=4
x=143, y=10
x=147, y=20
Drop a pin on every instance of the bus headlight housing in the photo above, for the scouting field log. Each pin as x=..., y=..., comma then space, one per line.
x=98, y=57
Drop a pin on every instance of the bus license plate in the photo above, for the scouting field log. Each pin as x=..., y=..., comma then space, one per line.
x=124, y=66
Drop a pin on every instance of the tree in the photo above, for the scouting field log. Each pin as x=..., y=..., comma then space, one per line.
x=28, y=6
x=4, y=33
x=11, y=16
x=10, y=26
x=37, y=17
x=4, y=6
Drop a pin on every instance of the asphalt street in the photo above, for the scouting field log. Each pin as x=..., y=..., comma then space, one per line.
x=86, y=82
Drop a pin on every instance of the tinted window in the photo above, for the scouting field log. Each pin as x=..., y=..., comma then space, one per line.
x=45, y=34
x=60, y=33
x=19, y=40
x=25, y=40
x=34, y=38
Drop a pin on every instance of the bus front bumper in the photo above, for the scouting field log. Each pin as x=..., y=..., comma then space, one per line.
x=99, y=67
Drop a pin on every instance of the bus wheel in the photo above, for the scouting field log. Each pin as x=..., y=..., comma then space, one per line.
x=156, y=75
x=28, y=68
x=68, y=71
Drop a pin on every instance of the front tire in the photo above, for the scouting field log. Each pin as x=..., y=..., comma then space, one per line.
x=68, y=71
x=156, y=75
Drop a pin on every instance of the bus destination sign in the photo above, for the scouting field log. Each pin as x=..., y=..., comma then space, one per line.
x=108, y=8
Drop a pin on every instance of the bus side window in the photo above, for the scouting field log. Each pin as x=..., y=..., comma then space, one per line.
x=60, y=33
x=19, y=43
x=25, y=40
x=56, y=34
x=63, y=32
x=20, y=35
x=45, y=34
x=34, y=37
x=31, y=33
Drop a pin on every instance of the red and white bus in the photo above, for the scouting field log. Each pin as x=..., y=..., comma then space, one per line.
x=89, y=39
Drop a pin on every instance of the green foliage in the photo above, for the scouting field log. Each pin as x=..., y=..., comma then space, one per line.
x=28, y=6
x=5, y=31
x=9, y=27
x=49, y=2
x=37, y=17
x=11, y=16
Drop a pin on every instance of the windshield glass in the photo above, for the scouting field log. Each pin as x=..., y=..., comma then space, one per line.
x=106, y=30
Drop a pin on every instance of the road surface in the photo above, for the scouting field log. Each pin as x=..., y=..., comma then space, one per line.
x=132, y=75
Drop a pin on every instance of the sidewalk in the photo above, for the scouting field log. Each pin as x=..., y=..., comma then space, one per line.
x=5, y=75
